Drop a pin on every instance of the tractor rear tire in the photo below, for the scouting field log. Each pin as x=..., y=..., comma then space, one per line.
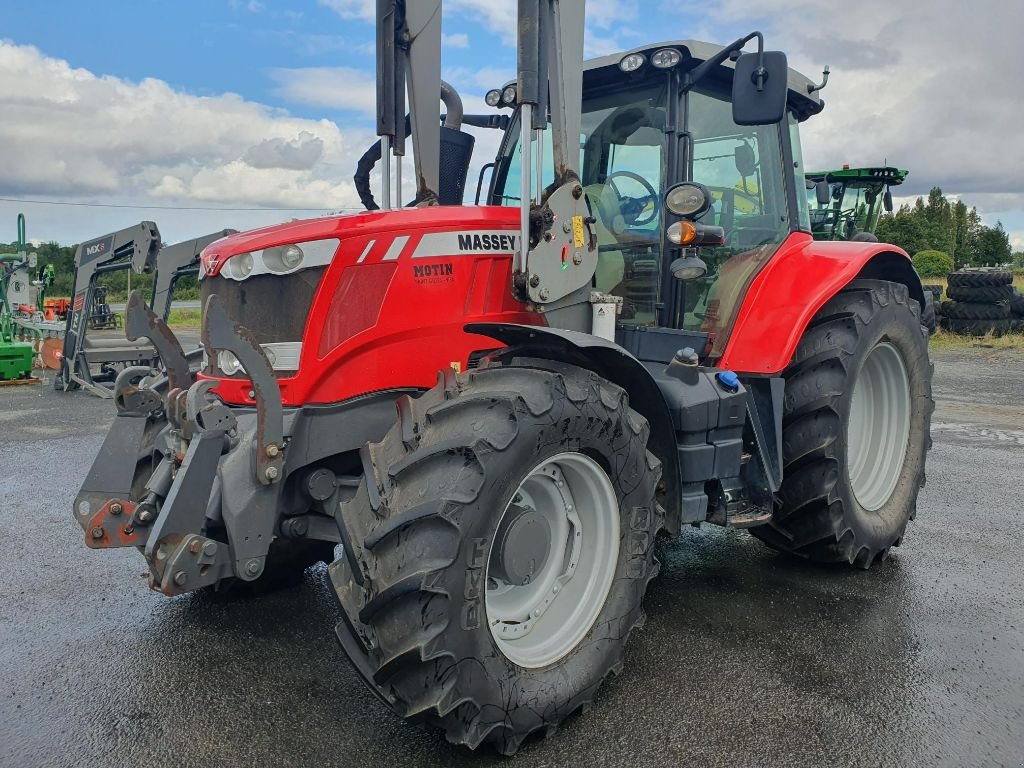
x=1017, y=304
x=977, y=327
x=981, y=294
x=979, y=277
x=858, y=387
x=430, y=526
x=962, y=310
x=929, y=317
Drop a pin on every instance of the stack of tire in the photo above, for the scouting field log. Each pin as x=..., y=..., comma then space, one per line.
x=982, y=300
x=931, y=314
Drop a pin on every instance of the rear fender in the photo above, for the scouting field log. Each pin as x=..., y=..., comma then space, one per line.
x=802, y=276
x=614, y=363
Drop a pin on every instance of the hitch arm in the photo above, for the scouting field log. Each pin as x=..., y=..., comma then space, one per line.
x=141, y=321
x=221, y=332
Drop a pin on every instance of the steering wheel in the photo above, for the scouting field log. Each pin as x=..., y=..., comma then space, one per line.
x=632, y=207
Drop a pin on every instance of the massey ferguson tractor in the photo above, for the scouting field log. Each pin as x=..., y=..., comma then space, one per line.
x=483, y=417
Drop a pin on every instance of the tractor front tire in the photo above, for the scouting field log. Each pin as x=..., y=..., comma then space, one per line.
x=463, y=606
x=856, y=423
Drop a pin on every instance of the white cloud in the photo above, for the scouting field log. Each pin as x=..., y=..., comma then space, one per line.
x=334, y=87
x=71, y=134
x=457, y=40
x=352, y=9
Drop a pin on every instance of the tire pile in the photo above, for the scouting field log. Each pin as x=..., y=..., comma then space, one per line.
x=982, y=301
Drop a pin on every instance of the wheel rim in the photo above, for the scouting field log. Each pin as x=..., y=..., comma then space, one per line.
x=879, y=426
x=568, y=502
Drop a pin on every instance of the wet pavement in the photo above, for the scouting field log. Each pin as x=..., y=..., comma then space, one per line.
x=747, y=659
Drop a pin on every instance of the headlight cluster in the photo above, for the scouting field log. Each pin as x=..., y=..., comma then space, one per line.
x=501, y=97
x=282, y=355
x=280, y=259
x=663, y=58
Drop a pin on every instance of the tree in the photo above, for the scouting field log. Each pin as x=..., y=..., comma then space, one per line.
x=992, y=246
x=961, y=234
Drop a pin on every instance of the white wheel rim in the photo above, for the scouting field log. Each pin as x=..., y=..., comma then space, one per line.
x=879, y=426
x=540, y=622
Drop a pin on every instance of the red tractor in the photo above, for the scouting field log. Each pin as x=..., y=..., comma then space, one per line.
x=484, y=416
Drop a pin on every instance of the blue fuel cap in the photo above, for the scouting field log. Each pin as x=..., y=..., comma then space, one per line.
x=728, y=380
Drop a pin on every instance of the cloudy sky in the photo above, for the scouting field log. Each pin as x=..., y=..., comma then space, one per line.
x=264, y=106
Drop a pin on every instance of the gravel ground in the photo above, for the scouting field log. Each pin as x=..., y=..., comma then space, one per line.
x=747, y=658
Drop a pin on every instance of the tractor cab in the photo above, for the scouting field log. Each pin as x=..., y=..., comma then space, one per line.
x=845, y=204
x=648, y=126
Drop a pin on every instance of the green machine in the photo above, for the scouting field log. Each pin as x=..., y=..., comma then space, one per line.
x=845, y=204
x=15, y=276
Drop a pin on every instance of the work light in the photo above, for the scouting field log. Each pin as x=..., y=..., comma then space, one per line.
x=493, y=97
x=666, y=58
x=508, y=96
x=632, y=62
x=688, y=199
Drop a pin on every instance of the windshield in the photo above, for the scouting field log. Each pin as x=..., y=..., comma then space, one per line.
x=852, y=208
x=622, y=167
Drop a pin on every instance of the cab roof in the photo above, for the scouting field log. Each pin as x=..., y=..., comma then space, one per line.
x=694, y=52
x=882, y=174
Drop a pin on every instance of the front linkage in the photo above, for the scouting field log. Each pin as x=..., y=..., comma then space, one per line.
x=176, y=458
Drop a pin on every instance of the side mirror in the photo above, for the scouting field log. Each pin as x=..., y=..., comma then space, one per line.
x=746, y=163
x=821, y=191
x=759, y=92
x=887, y=201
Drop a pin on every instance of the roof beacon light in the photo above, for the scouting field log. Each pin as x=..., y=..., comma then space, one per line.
x=632, y=62
x=666, y=58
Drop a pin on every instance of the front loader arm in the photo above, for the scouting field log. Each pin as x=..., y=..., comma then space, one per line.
x=558, y=246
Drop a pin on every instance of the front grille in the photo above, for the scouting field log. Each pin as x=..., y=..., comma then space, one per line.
x=274, y=308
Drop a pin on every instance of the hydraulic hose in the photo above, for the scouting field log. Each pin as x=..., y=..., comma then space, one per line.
x=361, y=179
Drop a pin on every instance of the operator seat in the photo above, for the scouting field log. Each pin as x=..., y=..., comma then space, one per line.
x=611, y=263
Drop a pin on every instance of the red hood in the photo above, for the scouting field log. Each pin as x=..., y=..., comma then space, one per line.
x=350, y=224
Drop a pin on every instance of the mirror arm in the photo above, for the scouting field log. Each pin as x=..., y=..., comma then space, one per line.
x=698, y=73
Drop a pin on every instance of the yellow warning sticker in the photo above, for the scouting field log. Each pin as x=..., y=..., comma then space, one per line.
x=578, y=235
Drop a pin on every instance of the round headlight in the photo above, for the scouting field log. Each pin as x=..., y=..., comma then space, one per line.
x=241, y=265
x=493, y=98
x=508, y=96
x=283, y=258
x=291, y=256
x=688, y=199
x=228, y=363
x=665, y=58
x=632, y=62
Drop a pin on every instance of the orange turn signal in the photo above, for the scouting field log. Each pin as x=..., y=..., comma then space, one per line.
x=682, y=232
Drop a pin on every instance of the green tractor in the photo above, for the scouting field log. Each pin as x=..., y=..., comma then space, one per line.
x=845, y=204
x=15, y=271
